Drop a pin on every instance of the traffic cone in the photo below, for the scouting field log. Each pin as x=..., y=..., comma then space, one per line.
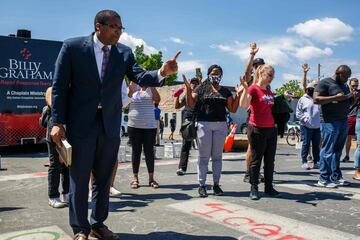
x=229, y=141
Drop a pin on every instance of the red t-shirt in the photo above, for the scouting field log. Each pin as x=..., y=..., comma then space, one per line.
x=260, y=107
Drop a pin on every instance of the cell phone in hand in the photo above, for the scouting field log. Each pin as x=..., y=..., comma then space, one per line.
x=198, y=73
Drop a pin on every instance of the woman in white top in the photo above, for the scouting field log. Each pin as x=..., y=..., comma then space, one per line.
x=142, y=130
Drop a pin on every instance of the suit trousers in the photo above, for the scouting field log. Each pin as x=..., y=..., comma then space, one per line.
x=96, y=154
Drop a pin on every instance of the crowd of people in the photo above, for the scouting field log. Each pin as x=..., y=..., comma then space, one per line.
x=88, y=93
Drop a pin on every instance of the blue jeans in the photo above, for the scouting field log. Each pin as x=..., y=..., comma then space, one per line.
x=334, y=136
x=310, y=135
x=357, y=151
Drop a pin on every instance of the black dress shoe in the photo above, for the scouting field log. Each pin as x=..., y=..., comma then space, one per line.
x=103, y=233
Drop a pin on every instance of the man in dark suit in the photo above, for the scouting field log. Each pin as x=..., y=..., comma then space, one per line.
x=89, y=73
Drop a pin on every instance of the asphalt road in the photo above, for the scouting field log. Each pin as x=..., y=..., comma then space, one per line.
x=174, y=211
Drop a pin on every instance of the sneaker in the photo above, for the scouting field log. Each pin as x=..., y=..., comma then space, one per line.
x=316, y=166
x=202, y=192
x=326, y=184
x=56, y=203
x=64, y=198
x=246, y=178
x=180, y=172
x=217, y=190
x=272, y=192
x=341, y=182
x=114, y=192
x=346, y=159
x=254, y=193
x=305, y=166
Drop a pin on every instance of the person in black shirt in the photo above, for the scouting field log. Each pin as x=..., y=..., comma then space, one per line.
x=172, y=128
x=335, y=98
x=187, y=114
x=210, y=101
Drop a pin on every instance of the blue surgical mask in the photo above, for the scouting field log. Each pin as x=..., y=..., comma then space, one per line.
x=215, y=79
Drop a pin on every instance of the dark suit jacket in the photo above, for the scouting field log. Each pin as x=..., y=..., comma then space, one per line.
x=77, y=89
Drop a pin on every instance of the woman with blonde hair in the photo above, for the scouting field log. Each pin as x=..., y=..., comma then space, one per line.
x=261, y=130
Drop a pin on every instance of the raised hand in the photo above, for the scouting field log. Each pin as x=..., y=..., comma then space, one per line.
x=253, y=48
x=244, y=83
x=306, y=67
x=170, y=66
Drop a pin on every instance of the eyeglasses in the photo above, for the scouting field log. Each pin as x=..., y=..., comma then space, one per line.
x=114, y=27
x=354, y=86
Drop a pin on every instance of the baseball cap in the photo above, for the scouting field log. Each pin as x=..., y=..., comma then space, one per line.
x=311, y=85
x=258, y=61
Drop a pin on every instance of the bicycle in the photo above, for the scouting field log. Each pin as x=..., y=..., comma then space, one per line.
x=293, y=134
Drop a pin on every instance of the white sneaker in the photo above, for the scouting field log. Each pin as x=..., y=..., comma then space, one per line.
x=341, y=182
x=64, y=198
x=305, y=166
x=326, y=184
x=180, y=172
x=56, y=203
x=114, y=192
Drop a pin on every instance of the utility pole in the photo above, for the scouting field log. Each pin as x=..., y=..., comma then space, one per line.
x=319, y=71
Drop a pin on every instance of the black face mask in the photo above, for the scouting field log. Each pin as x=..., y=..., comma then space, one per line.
x=310, y=92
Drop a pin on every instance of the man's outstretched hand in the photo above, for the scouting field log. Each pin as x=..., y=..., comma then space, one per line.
x=170, y=66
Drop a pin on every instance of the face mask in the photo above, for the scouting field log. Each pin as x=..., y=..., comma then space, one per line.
x=215, y=79
x=310, y=92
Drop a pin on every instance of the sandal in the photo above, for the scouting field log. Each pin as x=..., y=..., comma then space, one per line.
x=134, y=184
x=153, y=184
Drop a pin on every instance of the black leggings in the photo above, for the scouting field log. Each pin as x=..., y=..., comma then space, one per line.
x=140, y=138
x=55, y=171
x=263, y=145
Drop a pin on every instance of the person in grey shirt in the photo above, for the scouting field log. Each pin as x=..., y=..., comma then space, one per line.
x=309, y=115
x=142, y=131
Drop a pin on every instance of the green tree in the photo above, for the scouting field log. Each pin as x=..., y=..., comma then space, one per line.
x=152, y=62
x=292, y=86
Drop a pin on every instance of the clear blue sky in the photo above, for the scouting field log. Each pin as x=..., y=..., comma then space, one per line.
x=288, y=33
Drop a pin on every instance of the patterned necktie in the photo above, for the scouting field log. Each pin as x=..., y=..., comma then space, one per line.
x=105, y=61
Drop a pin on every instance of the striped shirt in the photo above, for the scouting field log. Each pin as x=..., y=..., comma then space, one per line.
x=141, y=110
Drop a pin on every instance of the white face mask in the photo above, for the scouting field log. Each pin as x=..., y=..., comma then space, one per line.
x=215, y=79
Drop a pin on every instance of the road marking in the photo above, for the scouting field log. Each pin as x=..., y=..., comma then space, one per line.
x=45, y=233
x=256, y=223
x=122, y=165
x=348, y=192
x=22, y=176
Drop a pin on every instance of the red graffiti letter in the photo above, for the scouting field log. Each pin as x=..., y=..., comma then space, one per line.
x=216, y=206
x=266, y=232
x=290, y=237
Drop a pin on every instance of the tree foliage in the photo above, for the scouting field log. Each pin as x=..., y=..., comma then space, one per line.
x=292, y=86
x=151, y=62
